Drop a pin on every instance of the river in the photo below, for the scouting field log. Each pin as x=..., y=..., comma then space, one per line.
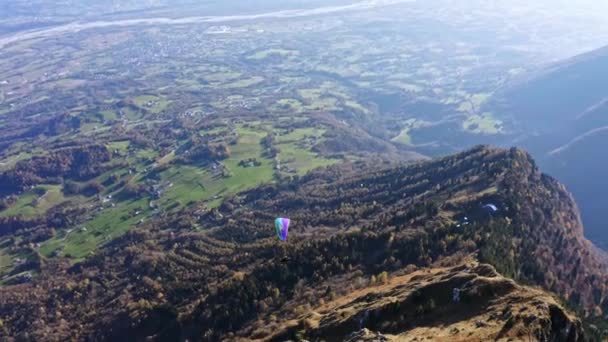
x=80, y=26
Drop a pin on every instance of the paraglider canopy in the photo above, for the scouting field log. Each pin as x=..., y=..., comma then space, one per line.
x=282, y=226
x=491, y=207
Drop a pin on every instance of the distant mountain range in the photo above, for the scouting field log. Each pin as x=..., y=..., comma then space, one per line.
x=375, y=250
x=560, y=115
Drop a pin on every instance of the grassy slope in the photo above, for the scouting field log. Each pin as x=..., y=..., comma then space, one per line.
x=28, y=206
x=189, y=184
x=5, y=260
x=111, y=223
x=296, y=153
x=194, y=183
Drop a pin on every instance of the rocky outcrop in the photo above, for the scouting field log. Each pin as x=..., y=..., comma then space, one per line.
x=421, y=306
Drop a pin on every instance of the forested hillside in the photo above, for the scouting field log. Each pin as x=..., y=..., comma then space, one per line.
x=559, y=115
x=222, y=273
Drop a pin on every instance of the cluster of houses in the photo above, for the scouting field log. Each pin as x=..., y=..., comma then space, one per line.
x=157, y=189
x=105, y=202
x=151, y=104
x=218, y=29
x=193, y=113
x=246, y=103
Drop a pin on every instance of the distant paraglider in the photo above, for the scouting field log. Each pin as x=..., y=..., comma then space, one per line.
x=491, y=207
x=282, y=227
x=456, y=295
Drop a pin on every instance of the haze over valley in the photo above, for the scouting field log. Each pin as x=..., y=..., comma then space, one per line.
x=151, y=144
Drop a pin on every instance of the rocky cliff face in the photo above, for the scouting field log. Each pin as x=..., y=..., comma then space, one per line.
x=419, y=306
x=559, y=115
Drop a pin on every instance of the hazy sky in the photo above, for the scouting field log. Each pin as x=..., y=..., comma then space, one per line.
x=564, y=27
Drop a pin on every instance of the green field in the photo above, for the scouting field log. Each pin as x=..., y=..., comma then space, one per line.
x=404, y=137
x=12, y=160
x=108, y=225
x=191, y=183
x=120, y=146
x=301, y=133
x=295, y=150
x=146, y=154
x=131, y=114
x=108, y=115
x=483, y=124
x=32, y=203
x=185, y=184
x=222, y=76
x=356, y=106
x=472, y=103
x=316, y=100
x=243, y=83
x=291, y=104
x=154, y=104
x=302, y=160
x=5, y=259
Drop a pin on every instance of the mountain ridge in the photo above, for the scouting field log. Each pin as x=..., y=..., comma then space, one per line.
x=350, y=222
x=559, y=114
x=489, y=308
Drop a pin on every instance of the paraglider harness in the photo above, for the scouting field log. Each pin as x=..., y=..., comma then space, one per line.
x=456, y=295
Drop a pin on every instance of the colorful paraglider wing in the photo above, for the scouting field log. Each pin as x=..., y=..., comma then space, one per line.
x=282, y=227
x=286, y=222
x=278, y=225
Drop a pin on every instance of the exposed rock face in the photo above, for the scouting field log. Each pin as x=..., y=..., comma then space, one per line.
x=365, y=335
x=420, y=306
